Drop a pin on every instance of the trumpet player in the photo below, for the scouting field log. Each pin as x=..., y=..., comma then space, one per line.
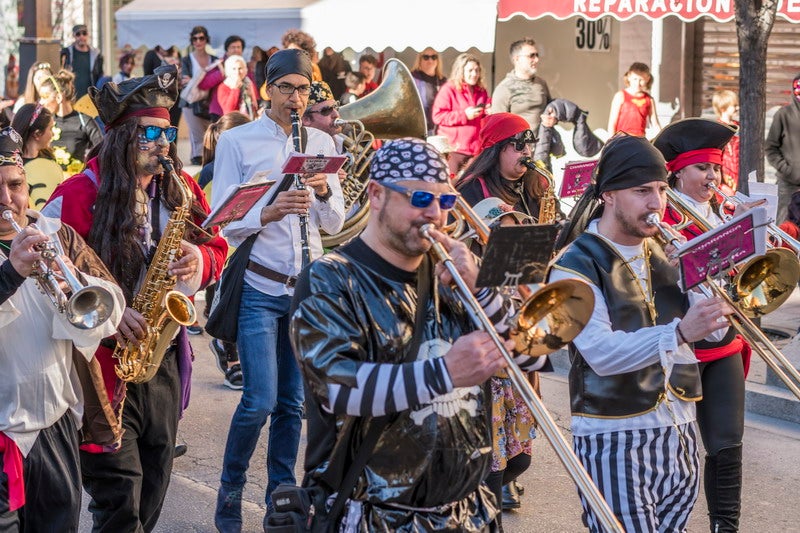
x=693, y=150
x=634, y=379
x=42, y=355
x=124, y=203
x=377, y=333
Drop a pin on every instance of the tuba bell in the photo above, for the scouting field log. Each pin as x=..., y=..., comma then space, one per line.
x=391, y=111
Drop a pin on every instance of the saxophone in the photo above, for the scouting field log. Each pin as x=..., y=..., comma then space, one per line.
x=164, y=308
x=548, y=204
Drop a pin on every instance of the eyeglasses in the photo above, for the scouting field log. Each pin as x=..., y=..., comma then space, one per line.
x=43, y=66
x=81, y=33
x=288, y=88
x=430, y=57
x=198, y=38
x=532, y=55
x=153, y=133
x=422, y=199
x=324, y=111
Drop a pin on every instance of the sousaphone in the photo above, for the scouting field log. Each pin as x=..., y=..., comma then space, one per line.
x=391, y=111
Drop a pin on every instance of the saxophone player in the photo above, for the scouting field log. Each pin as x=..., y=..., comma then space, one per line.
x=499, y=170
x=122, y=203
x=42, y=356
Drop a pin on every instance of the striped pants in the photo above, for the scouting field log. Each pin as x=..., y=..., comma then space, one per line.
x=650, y=477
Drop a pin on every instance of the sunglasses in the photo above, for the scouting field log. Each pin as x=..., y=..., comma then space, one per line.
x=422, y=199
x=288, y=88
x=43, y=66
x=325, y=111
x=153, y=133
x=81, y=33
x=521, y=140
x=198, y=37
x=430, y=57
x=532, y=55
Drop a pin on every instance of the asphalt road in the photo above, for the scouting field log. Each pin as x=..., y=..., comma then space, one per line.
x=550, y=503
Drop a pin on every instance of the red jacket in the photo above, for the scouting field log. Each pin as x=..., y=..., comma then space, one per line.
x=449, y=115
x=228, y=98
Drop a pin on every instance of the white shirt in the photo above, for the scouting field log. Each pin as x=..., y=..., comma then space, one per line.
x=39, y=381
x=702, y=208
x=262, y=146
x=611, y=352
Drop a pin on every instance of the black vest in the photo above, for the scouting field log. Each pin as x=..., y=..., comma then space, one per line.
x=630, y=393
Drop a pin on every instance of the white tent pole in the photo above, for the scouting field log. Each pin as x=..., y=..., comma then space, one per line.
x=656, y=43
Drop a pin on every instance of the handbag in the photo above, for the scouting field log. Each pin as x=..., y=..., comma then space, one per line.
x=223, y=320
x=299, y=509
x=192, y=93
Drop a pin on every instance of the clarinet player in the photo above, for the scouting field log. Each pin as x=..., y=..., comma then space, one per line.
x=272, y=384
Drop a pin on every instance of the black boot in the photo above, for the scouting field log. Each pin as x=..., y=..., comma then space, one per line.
x=723, y=488
x=510, y=497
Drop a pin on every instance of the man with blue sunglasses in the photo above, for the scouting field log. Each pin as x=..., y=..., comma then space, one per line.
x=366, y=353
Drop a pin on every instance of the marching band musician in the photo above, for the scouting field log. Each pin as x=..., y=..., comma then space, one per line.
x=693, y=149
x=634, y=379
x=42, y=355
x=122, y=204
x=272, y=383
x=497, y=171
x=353, y=332
x=321, y=113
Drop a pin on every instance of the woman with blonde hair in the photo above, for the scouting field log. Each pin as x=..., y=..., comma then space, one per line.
x=459, y=108
x=428, y=77
x=37, y=73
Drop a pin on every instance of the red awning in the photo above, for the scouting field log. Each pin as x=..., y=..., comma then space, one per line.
x=688, y=10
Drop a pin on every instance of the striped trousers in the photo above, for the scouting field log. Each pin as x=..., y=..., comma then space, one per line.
x=649, y=477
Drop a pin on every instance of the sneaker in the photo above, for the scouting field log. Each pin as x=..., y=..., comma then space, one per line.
x=180, y=451
x=194, y=329
x=233, y=377
x=220, y=357
x=228, y=516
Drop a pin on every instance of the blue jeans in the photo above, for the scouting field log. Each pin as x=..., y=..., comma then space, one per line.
x=272, y=386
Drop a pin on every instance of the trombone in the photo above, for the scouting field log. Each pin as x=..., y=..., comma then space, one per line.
x=742, y=324
x=763, y=283
x=551, y=296
x=88, y=307
x=780, y=236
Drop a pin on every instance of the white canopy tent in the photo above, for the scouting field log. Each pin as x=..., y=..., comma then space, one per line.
x=152, y=22
x=417, y=24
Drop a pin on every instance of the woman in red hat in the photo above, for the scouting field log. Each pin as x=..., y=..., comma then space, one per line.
x=693, y=151
x=499, y=170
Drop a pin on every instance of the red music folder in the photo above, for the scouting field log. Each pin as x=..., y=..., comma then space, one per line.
x=313, y=164
x=577, y=177
x=238, y=202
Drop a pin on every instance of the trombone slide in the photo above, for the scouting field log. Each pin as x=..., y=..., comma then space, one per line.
x=532, y=401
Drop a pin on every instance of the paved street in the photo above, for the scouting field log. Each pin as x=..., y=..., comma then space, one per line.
x=550, y=503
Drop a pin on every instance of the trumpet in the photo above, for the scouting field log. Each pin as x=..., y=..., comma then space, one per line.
x=740, y=322
x=763, y=283
x=88, y=306
x=532, y=401
x=780, y=236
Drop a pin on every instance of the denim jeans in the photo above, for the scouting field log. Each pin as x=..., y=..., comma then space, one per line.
x=272, y=387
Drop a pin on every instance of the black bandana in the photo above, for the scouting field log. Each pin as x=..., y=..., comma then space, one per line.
x=285, y=62
x=627, y=161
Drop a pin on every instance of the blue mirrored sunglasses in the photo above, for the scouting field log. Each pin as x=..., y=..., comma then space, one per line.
x=153, y=133
x=422, y=199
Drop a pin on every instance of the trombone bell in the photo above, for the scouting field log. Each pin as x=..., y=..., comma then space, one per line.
x=552, y=316
x=765, y=282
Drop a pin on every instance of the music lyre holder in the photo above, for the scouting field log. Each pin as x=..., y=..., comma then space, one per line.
x=517, y=255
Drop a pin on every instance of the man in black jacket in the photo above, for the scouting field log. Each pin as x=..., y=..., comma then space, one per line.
x=86, y=62
x=783, y=149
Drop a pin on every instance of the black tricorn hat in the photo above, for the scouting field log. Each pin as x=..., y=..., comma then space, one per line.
x=114, y=101
x=10, y=147
x=693, y=140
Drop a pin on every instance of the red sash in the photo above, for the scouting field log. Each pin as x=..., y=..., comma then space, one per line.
x=12, y=466
x=737, y=345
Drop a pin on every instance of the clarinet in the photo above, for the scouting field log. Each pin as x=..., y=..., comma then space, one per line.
x=306, y=251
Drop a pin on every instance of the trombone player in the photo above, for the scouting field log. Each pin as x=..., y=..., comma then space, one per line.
x=42, y=354
x=693, y=150
x=634, y=380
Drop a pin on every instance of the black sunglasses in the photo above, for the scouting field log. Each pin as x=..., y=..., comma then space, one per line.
x=81, y=33
x=198, y=37
x=324, y=111
x=532, y=55
x=430, y=57
x=153, y=133
x=520, y=140
x=422, y=199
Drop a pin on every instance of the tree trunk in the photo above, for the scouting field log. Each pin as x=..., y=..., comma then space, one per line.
x=754, y=20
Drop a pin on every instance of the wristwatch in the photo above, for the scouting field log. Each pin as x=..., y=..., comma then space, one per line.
x=324, y=198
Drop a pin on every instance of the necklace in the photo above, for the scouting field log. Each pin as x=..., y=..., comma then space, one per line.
x=6, y=246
